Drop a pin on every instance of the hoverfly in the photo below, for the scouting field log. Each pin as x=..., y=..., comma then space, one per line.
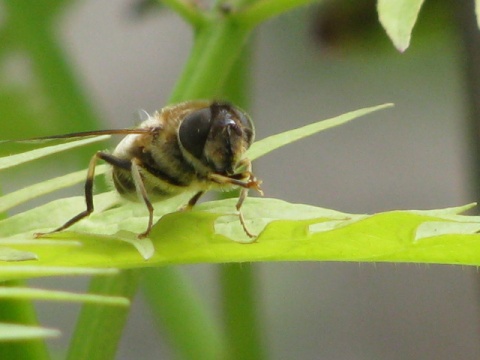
x=191, y=146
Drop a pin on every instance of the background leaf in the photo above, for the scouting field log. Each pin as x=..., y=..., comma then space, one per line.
x=21, y=196
x=264, y=146
x=18, y=159
x=51, y=295
x=11, y=332
x=398, y=18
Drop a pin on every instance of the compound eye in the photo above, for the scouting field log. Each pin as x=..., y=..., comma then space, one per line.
x=245, y=120
x=247, y=126
x=193, y=132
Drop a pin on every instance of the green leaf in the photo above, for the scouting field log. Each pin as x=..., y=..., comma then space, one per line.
x=12, y=332
x=398, y=18
x=9, y=254
x=53, y=295
x=69, y=207
x=18, y=159
x=21, y=196
x=99, y=327
x=286, y=232
x=264, y=146
x=169, y=293
x=27, y=271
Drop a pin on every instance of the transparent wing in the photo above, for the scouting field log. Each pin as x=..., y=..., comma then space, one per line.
x=77, y=135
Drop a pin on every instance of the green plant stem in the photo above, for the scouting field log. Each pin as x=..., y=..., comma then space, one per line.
x=239, y=301
x=241, y=319
x=178, y=308
x=217, y=46
x=263, y=10
x=100, y=327
x=238, y=84
x=20, y=312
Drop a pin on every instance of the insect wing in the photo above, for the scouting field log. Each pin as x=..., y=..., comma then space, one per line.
x=77, y=135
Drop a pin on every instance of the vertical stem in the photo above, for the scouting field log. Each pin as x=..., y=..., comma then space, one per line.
x=217, y=46
x=240, y=312
x=238, y=85
x=178, y=308
x=238, y=281
x=20, y=312
x=100, y=327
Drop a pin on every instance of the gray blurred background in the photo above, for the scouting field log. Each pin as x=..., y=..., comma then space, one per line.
x=412, y=156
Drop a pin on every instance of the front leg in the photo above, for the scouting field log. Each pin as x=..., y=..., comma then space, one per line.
x=246, y=180
x=252, y=182
x=238, y=180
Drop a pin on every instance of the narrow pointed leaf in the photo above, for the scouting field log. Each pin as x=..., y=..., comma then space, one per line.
x=54, y=295
x=398, y=18
x=264, y=146
x=28, y=270
x=21, y=196
x=18, y=159
x=13, y=332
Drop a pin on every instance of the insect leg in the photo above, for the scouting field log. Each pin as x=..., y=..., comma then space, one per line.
x=193, y=200
x=238, y=180
x=244, y=179
x=140, y=186
x=241, y=198
x=88, y=190
x=244, y=192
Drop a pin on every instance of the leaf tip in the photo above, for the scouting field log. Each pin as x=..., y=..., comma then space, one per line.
x=388, y=105
x=402, y=47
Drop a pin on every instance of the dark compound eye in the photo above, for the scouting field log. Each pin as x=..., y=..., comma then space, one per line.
x=247, y=126
x=193, y=132
x=226, y=110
